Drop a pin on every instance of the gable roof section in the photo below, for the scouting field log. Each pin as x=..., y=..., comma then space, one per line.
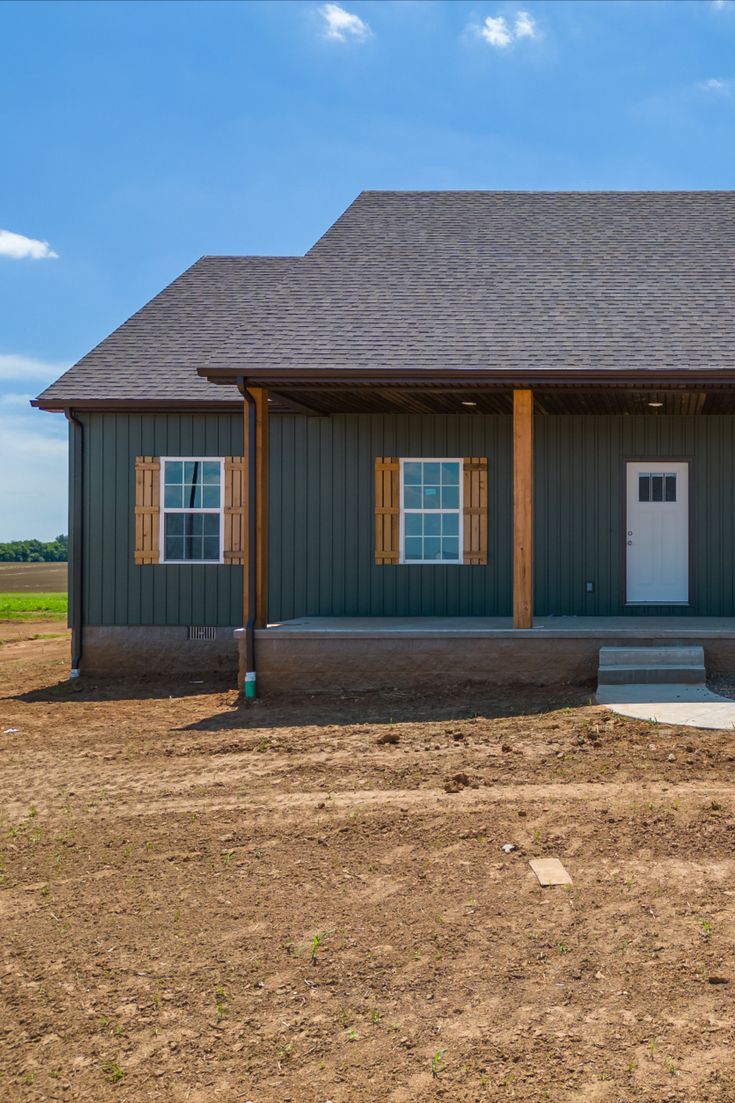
x=518, y=283
x=154, y=356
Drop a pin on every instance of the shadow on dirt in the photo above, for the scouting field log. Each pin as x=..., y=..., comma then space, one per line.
x=114, y=689
x=393, y=707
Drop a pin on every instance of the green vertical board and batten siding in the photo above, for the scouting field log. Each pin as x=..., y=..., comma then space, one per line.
x=321, y=518
x=321, y=560
x=117, y=591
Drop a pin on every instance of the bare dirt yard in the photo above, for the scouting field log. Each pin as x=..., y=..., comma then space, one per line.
x=308, y=900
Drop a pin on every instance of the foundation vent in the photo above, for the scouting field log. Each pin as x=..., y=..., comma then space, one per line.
x=199, y=632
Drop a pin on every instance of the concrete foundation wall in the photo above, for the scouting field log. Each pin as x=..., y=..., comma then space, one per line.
x=118, y=651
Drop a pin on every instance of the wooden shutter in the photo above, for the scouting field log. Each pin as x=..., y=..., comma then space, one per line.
x=234, y=511
x=475, y=510
x=387, y=510
x=147, y=509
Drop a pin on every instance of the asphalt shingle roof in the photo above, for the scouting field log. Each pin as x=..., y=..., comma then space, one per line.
x=154, y=356
x=403, y=281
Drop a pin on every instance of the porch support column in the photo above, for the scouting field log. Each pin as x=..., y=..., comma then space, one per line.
x=523, y=509
x=260, y=551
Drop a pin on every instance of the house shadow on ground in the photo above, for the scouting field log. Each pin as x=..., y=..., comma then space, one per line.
x=393, y=706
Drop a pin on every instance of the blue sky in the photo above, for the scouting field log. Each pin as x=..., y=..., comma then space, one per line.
x=136, y=137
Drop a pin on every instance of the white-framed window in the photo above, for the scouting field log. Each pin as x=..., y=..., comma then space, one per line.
x=431, y=510
x=191, y=509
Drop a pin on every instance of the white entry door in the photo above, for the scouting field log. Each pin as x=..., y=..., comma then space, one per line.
x=657, y=537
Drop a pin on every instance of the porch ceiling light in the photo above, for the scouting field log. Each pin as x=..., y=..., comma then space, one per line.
x=466, y=402
x=656, y=405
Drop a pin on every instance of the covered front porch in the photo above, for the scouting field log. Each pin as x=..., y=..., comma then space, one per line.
x=562, y=460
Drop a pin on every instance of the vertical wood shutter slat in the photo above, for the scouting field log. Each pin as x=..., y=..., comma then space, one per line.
x=234, y=510
x=147, y=509
x=387, y=510
x=475, y=510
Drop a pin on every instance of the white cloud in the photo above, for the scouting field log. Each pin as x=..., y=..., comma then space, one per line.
x=496, y=31
x=717, y=85
x=27, y=367
x=17, y=246
x=525, y=25
x=339, y=25
x=719, y=5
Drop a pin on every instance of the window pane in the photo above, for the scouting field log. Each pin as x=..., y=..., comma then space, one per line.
x=210, y=497
x=412, y=497
x=450, y=524
x=431, y=497
x=173, y=497
x=671, y=488
x=173, y=471
x=644, y=488
x=432, y=524
x=174, y=524
x=210, y=522
x=411, y=474
x=412, y=524
x=192, y=496
x=432, y=547
x=413, y=548
x=210, y=472
x=657, y=488
x=211, y=547
x=450, y=547
x=192, y=471
x=450, y=474
x=192, y=547
x=450, y=497
x=174, y=547
x=193, y=524
x=432, y=473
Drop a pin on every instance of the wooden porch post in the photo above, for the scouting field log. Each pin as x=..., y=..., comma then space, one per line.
x=523, y=509
x=260, y=551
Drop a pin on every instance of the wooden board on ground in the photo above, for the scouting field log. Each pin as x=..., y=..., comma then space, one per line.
x=550, y=871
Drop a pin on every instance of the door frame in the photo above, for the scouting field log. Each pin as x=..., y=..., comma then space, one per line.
x=691, y=532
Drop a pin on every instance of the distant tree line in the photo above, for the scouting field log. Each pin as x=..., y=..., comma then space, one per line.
x=35, y=551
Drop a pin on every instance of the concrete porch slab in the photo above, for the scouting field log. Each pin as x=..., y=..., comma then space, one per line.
x=688, y=706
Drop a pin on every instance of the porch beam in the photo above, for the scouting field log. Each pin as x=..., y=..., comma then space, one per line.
x=523, y=509
x=260, y=551
x=260, y=394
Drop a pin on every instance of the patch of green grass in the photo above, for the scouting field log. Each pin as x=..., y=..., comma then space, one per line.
x=29, y=607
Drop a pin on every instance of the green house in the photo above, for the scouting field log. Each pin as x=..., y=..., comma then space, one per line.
x=468, y=435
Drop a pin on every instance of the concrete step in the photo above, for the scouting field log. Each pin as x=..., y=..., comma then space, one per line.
x=679, y=655
x=651, y=665
x=644, y=675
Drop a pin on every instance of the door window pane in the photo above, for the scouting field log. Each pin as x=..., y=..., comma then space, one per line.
x=671, y=488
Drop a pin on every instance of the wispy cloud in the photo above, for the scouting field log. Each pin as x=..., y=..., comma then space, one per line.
x=719, y=5
x=17, y=246
x=498, y=32
x=13, y=366
x=716, y=85
x=33, y=502
x=341, y=25
x=525, y=26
